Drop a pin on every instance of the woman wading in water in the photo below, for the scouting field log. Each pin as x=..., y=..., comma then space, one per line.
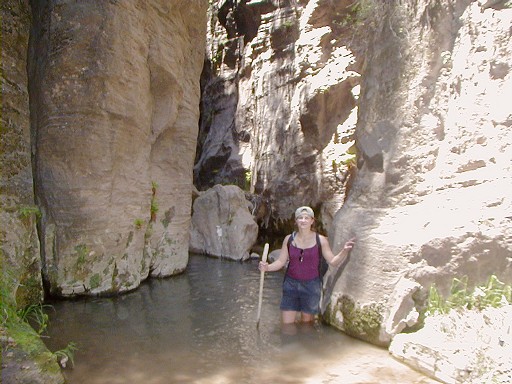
x=302, y=283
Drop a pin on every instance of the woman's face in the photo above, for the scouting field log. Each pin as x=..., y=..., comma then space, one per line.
x=304, y=221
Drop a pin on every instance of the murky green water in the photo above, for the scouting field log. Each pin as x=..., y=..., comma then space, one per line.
x=200, y=327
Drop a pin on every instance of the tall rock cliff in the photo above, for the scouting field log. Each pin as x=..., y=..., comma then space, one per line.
x=278, y=105
x=432, y=197
x=25, y=357
x=114, y=90
x=19, y=256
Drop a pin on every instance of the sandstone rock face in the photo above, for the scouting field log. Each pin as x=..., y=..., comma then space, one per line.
x=432, y=197
x=222, y=224
x=461, y=346
x=114, y=105
x=278, y=105
x=19, y=254
x=25, y=358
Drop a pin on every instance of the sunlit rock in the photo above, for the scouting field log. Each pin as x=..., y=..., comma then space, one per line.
x=114, y=90
x=222, y=224
x=279, y=105
x=461, y=347
x=432, y=197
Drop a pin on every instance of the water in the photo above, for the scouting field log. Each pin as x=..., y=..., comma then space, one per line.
x=200, y=327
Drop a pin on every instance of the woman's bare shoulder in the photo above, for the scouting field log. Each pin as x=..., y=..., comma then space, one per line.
x=323, y=239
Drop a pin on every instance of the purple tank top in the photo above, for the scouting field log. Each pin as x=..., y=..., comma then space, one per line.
x=303, y=263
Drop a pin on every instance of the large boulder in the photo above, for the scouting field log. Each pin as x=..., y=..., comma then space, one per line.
x=114, y=90
x=432, y=197
x=222, y=224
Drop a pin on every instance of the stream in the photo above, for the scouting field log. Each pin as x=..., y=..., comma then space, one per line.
x=200, y=327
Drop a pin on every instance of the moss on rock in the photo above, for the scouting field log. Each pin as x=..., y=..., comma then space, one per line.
x=363, y=322
x=26, y=358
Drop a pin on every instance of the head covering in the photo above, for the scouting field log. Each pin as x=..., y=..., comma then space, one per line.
x=304, y=211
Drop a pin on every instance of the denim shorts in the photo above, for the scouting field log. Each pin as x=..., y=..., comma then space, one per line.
x=301, y=295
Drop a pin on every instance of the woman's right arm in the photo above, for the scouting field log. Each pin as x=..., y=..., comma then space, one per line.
x=281, y=260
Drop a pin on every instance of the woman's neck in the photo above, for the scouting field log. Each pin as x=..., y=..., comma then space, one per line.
x=305, y=234
x=304, y=238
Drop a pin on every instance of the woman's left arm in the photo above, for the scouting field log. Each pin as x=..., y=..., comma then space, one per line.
x=332, y=259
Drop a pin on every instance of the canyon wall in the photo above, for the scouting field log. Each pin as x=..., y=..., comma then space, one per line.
x=278, y=106
x=25, y=357
x=19, y=256
x=432, y=197
x=114, y=90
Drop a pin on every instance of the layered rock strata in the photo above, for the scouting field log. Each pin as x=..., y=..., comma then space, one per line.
x=278, y=105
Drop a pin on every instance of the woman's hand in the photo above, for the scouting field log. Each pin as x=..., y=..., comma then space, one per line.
x=263, y=266
x=343, y=254
x=349, y=244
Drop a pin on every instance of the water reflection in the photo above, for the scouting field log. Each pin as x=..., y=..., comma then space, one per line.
x=199, y=327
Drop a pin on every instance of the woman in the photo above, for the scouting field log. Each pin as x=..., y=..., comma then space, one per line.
x=302, y=283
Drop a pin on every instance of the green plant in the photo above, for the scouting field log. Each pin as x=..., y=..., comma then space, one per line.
x=138, y=223
x=35, y=313
x=154, y=207
x=361, y=18
x=65, y=354
x=288, y=24
x=82, y=251
x=7, y=303
x=95, y=281
x=358, y=12
x=27, y=211
x=248, y=177
x=348, y=159
x=15, y=323
x=154, y=203
x=493, y=294
x=231, y=216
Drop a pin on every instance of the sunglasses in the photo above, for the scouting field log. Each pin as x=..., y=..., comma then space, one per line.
x=301, y=257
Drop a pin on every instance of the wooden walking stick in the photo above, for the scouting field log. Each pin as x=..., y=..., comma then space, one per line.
x=262, y=277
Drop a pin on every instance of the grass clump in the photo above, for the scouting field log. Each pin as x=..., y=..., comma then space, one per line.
x=35, y=314
x=27, y=211
x=26, y=326
x=66, y=354
x=493, y=293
